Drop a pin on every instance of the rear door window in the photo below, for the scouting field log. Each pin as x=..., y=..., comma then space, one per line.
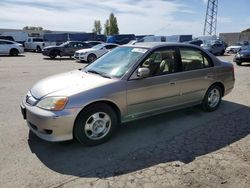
x=193, y=59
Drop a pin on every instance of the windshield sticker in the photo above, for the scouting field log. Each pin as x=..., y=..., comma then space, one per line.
x=139, y=50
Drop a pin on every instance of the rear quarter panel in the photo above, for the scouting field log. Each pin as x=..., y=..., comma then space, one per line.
x=225, y=75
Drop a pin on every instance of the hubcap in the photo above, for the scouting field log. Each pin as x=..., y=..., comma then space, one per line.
x=91, y=58
x=97, y=125
x=213, y=97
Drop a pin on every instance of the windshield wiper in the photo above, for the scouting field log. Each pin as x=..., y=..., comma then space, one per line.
x=99, y=73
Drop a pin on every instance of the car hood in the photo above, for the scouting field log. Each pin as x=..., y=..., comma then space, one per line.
x=50, y=47
x=67, y=84
x=85, y=50
x=233, y=47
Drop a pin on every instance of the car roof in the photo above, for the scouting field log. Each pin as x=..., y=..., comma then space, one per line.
x=7, y=40
x=151, y=45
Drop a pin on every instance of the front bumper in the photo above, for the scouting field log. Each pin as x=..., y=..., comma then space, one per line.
x=50, y=125
x=80, y=58
x=45, y=52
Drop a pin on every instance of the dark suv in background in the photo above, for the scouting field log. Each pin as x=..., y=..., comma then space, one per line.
x=65, y=49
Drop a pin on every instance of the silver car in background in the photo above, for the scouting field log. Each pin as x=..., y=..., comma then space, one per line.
x=128, y=83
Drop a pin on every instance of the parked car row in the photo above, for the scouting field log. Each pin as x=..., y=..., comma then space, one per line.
x=243, y=55
x=11, y=48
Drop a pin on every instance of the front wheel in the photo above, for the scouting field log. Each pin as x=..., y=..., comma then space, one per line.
x=95, y=124
x=222, y=52
x=53, y=54
x=14, y=52
x=91, y=58
x=212, y=98
x=238, y=62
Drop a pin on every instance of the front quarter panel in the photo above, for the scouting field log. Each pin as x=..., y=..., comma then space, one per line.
x=114, y=92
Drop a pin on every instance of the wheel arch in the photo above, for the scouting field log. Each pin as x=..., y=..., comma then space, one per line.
x=221, y=85
x=107, y=102
x=14, y=49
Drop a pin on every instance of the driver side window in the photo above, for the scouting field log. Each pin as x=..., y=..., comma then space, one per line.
x=161, y=62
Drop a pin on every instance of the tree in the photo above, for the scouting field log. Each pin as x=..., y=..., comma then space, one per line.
x=246, y=30
x=97, y=27
x=111, y=25
x=106, y=28
x=33, y=28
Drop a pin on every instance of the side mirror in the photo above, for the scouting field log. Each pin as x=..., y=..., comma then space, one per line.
x=143, y=72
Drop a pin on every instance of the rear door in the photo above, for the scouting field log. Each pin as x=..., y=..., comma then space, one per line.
x=158, y=91
x=2, y=47
x=197, y=74
x=5, y=47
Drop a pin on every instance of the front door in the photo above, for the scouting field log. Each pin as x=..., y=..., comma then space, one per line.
x=160, y=90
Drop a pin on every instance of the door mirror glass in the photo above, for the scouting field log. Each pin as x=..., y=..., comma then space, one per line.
x=143, y=72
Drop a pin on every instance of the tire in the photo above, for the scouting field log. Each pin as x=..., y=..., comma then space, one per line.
x=91, y=58
x=14, y=52
x=212, y=98
x=95, y=124
x=222, y=53
x=38, y=49
x=53, y=54
x=238, y=63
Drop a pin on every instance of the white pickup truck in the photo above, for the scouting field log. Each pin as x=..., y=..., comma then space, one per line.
x=37, y=44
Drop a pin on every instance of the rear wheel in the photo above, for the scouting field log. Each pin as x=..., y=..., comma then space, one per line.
x=95, y=124
x=91, y=58
x=14, y=52
x=38, y=49
x=212, y=98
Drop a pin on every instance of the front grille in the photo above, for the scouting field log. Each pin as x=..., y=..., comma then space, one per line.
x=43, y=131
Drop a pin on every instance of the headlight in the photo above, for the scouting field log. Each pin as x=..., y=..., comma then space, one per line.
x=83, y=53
x=53, y=103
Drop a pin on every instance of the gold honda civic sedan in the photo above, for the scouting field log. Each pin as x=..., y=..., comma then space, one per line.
x=128, y=83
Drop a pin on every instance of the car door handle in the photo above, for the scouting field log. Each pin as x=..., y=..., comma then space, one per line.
x=209, y=76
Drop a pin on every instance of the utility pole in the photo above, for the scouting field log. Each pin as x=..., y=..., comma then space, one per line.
x=211, y=18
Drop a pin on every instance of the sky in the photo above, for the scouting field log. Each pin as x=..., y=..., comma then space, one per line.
x=158, y=17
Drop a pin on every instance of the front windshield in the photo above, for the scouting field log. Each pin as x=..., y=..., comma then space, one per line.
x=246, y=48
x=117, y=62
x=98, y=47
